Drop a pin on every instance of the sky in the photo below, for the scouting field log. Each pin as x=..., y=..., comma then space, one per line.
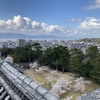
x=61, y=19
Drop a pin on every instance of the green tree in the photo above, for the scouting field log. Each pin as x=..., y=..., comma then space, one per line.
x=89, y=61
x=19, y=54
x=95, y=72
x=57, y=51
x=6, y=51
x=29, y=52
x=47, y=57
x=76, y=60
x=57, y=57
x=37, y=51
x=92, y=54
x=64, y=57
x=85, y=69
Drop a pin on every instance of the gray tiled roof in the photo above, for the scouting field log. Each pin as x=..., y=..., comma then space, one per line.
x=91, y=96
x=26, y=85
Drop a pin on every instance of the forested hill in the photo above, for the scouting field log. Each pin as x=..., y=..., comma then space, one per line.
x=89, y=40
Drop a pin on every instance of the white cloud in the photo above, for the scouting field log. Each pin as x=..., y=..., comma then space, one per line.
x=94, y=5
x=19, y=21
x=89, y=27
x=28, y=23
x=90, y=23
x=76, y=20
x=2, y=23
x=10, y=23
x=24, y=25
x=54, y=29
x=36, y=25
x=44, y=25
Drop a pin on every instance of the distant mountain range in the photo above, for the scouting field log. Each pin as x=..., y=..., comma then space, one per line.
x=24, y=36
x=13, y=35
x=18, y=35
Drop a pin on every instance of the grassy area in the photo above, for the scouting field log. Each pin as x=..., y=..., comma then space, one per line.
x=70, y=93
x=92, y=87
x=42, y=79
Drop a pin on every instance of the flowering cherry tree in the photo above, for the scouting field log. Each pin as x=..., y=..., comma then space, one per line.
x=79, y=86
x=88, y=82
x=33, y=65
x=45, y=68
x=50, y=80
x=38, y=70
x=60, y=87
x=54, y=72
x=9, y=58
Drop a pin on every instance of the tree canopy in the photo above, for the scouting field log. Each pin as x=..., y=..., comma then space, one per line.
x=60, y=58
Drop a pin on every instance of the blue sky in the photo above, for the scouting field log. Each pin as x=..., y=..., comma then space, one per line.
x=58, y=18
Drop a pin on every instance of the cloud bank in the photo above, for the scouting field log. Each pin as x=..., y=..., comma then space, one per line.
x=90, y=23
x=25, y=25
x=90, y=27
x=94, y=5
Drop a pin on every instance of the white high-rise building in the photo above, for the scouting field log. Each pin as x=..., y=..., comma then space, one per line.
x=21, y=42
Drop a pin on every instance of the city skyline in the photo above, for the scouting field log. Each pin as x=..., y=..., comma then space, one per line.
x=49, y=19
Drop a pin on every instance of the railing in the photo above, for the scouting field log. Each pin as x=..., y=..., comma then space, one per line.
x=20, y=87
